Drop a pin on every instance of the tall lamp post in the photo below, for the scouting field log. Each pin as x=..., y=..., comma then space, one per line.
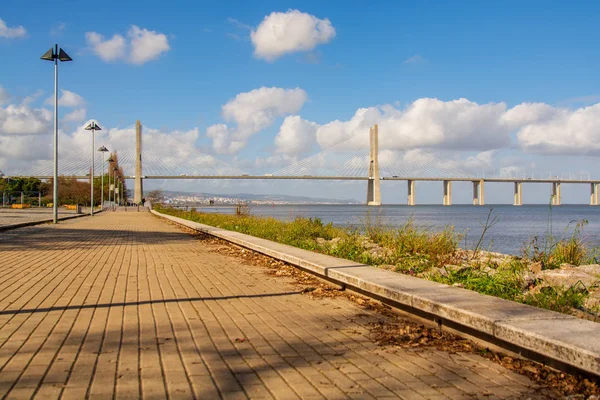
x=92, y=126
x=55, y=54
x=103, y=150
x=110, y=160
x=115, y=187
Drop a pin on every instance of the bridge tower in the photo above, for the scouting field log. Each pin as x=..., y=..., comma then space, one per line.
x=139, y=191
x=373, y=185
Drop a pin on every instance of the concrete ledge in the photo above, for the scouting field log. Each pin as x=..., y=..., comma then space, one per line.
x=42, y=221
x=560, y=340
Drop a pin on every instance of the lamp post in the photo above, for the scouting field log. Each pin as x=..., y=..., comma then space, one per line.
x=1, y=177
x=92, y=126
x=110, y=160
x=115, y=187
x=102, y=150
x=55, y=54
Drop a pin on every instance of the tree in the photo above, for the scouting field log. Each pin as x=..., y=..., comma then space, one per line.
x=155, y=196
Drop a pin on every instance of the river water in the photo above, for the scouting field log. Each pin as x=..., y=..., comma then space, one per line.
x=515, y=226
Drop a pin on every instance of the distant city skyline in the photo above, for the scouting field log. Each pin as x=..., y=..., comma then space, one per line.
x=509, y=88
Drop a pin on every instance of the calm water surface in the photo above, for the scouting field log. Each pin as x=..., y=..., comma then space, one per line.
x=515, y=226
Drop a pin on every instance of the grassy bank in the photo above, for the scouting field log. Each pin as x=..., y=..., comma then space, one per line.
x=430, y=255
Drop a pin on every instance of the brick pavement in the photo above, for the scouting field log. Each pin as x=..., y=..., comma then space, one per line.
x=124, y=305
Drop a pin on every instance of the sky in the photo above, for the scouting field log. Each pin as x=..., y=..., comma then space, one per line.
x=493, y=89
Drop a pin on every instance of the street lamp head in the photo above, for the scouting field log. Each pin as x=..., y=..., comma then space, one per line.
x=93, y=126
x=63, y=56
x=103, y=149
x=55, y=53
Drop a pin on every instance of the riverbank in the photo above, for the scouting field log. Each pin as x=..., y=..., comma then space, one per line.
x=558, y=275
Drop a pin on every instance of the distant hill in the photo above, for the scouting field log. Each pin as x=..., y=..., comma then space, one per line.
x=261, y=197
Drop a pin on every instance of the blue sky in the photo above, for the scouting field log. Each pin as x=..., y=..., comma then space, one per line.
x=391, y=53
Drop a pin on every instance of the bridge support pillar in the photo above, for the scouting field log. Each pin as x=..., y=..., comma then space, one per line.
x=411, y=192
x=555, y=194
x=594, y=187
x=478, y=193
x=518, y=201
x=138, y=193
x=447, y=193
x=373, y=184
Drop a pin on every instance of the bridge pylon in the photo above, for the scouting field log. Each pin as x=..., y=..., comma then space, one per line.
x=138, y=190
x=373, y=185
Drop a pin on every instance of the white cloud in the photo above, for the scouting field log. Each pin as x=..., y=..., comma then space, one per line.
x=222, y=141
x=426, y=123
x=23, y=120
x=563, y=131
x=146, y=45
x=4, y=96
x=108, y=50
x=296, y=136
x=77, y=115
x=252, y=112
x=289, y=32
x=67, y=99
x=458, y=127
x=11, y=33
x=28, y=100
x=140, y=46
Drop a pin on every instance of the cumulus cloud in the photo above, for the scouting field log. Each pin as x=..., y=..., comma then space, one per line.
x=222, y=140
x=296, y=136
x=146, y=45
x=75, y=115
x=252, y=112
x=11, y=33
x=108, y=50
x=288, y=32
x=139, y=47
x=432, y=123
x=468, y=134
x=67, y=99
x=563, y=131
x=23, y=120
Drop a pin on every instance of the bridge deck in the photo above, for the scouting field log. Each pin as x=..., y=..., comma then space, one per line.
x=125, y=305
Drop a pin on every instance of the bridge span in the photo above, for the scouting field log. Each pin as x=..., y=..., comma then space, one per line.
x=478, y=184
x=336, y=163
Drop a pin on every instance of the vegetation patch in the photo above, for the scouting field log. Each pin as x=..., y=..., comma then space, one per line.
x=556, y=274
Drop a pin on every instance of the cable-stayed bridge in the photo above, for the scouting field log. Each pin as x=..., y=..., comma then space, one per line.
x=351, y=159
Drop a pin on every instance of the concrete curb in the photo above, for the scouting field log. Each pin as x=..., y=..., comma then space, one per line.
x=560, y=340
x=42, y=221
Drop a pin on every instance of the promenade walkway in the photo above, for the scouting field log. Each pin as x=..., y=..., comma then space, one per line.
x=11, y=217
x=125, y=305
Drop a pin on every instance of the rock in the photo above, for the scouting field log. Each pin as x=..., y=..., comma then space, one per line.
x=535, y=267
x=438, y=271
x=567, y=266
x=592, y=302
x=335, y=240
x=451, y=267
x=527, y=279
x=458, y=284
x=321, y=241
x=593, y=269
x=567, y=277
x=490, y=271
